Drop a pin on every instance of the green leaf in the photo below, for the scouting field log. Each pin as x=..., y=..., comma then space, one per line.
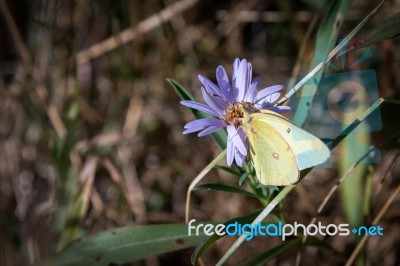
x=125, y=245
x=353, y=147
x=325, y=41
x=226, y=188
x=212, y=239
x=77, y=207
x=182, y=92
x=228, y=170
x=243, y=178
x=219, y=136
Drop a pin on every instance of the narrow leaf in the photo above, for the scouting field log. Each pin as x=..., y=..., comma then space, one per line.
x=123, y=245
x=225, y=188
x=325, y=41
x=229, y=170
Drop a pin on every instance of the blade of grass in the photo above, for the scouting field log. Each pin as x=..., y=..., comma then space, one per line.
x=198, y=178
x=339, y=47
x=259, y=218
x=123, y=245
x=79, y=204
x=326, y=38
x=354, y=146
x=228, y=170
x=225, y=188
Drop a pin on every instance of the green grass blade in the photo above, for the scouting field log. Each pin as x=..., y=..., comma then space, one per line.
x=228, y=170
x=325, y=41
x=321, y=65
x=123, y=245
x=351, y=190
x=225, y=188
x=78, y=206
x=219, y=136
x=183, y=93
x=259, y=218
x=353, y=147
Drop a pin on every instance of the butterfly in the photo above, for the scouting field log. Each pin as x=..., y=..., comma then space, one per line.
x=279, y=149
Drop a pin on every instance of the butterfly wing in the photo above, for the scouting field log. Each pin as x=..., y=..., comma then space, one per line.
x=273, y=160
x=308, y=149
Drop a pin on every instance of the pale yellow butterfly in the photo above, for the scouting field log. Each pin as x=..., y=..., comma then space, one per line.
x=279, y=149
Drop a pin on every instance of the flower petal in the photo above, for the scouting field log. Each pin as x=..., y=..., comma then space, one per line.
x=242, y=80
x=204, y=122
x=279, y=109
x=235, y=71
x=211, y=87
x=234, y=137
x=268, y=101
x=191, y=130
x=230, y=152
x=223, y=83
x=252, y=91
x=268, y=91
x=239, y=158
x=201, y=107
x=273, y=97
x=210, y=130
x=219, y=96
x=211, y=102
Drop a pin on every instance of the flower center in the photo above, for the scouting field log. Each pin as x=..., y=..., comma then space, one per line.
x=235, y=112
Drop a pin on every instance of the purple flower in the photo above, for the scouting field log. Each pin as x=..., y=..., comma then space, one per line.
x=225, y=104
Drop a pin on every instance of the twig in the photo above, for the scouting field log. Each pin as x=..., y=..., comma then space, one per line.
x=16, y=36
x=374, y=222
x=129, y=34
x=386, y=174
x=247, y=16
x=198, y=178
x=297, y=66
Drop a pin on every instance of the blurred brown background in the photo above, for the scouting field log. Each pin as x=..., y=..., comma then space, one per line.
x=90, y=130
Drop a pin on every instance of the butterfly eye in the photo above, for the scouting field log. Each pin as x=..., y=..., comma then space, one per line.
x=288, y=130
x=276, y=156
